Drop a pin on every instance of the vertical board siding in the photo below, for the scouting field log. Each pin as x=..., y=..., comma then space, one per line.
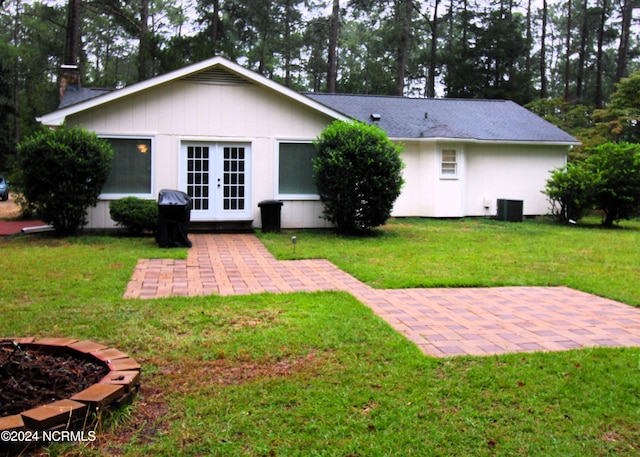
x=188, y=111
x=302, y=213
x=417, y=195
x=509, y=172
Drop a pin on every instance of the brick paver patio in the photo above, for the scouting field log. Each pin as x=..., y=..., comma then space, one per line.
x=442, y=322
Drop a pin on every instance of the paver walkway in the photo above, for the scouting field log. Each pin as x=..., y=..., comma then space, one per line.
x=442, y=322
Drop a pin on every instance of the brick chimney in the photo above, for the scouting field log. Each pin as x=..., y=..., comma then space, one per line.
x=69, y=79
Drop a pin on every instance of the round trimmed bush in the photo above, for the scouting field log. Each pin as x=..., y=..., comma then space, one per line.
x=358, y=174
x=61, y=175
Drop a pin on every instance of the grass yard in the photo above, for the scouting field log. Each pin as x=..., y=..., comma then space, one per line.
x=319, y=374
x=482, y=252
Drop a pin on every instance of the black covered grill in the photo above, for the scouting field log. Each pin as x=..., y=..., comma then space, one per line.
x=174, y=211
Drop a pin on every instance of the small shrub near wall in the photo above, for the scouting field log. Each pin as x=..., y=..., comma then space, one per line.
x=135, y=214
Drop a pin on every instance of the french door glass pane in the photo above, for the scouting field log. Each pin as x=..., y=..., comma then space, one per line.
x=198, y=176
x=233, y=179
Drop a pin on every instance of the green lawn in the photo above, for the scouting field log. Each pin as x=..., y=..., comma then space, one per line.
x=319, y=374
x=482, y=252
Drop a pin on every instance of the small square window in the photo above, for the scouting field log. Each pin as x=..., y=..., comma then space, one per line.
x=449, y=164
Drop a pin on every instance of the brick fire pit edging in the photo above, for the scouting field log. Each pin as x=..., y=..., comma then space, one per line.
x=115, y=389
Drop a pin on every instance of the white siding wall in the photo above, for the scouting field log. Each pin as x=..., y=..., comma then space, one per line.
x=426, y=193
x=187, y=111
x=182, y=111
x=303, y=214
x=510, y=172
x=485, y=174
x=416, y=198
x=448, y=192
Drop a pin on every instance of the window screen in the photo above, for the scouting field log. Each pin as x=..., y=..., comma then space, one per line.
x=296, y=169
x=131, y=169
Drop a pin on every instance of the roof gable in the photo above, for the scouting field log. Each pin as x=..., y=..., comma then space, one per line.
x=216, y=70
x=217, y=75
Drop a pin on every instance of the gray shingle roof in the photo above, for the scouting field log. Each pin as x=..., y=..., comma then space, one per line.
x=76, y=94
x=484, y=120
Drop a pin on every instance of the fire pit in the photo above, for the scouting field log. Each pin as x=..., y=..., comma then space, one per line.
x=57, y=384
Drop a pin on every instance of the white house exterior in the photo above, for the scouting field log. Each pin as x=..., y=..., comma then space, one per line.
x=232, y=138
x=484, y=174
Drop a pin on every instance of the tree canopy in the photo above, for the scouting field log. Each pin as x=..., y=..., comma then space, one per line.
x=576, y=50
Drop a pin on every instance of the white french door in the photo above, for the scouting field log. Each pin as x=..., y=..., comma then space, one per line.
x=217, y=176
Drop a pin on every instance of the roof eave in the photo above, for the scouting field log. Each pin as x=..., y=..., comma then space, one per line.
x=488, y=141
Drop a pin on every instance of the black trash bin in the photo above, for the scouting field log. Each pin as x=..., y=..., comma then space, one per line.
x=174, y=215
x=270, y=213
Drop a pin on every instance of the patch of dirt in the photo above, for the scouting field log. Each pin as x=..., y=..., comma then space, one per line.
x=29, y=378
x=262, y=319
x=9, y=209
x=188, y=375
x=149, y=417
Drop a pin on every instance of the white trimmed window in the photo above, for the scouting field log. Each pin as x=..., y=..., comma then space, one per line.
x=131, y=168
x=295, y=169
x=449, y=164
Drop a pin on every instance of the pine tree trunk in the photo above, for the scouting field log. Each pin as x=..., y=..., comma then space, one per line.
x=543, y=51
x=431, y=82
x=73, y=33
x=214, y=25
x=527, y=62
x=597, y=102
x=403, y=49
x=567, y=66
x=16, y=81
x=583, y=49
x=625, y=34
x=144, y=51
x=332, y=71
x=287, y=46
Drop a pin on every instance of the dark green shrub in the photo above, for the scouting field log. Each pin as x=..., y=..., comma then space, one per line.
x=569, y=192
x=62, y=172
x=608, y=180
x=135, y=214
x=358, y=174
x=615, y=170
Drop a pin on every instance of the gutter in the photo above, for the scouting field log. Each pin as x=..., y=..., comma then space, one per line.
x=479, y=141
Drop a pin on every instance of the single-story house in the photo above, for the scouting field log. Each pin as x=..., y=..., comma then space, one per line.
x=231, y=138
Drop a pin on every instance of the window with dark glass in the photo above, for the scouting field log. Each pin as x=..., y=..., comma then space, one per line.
x=131, y=169
x=295, y=169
